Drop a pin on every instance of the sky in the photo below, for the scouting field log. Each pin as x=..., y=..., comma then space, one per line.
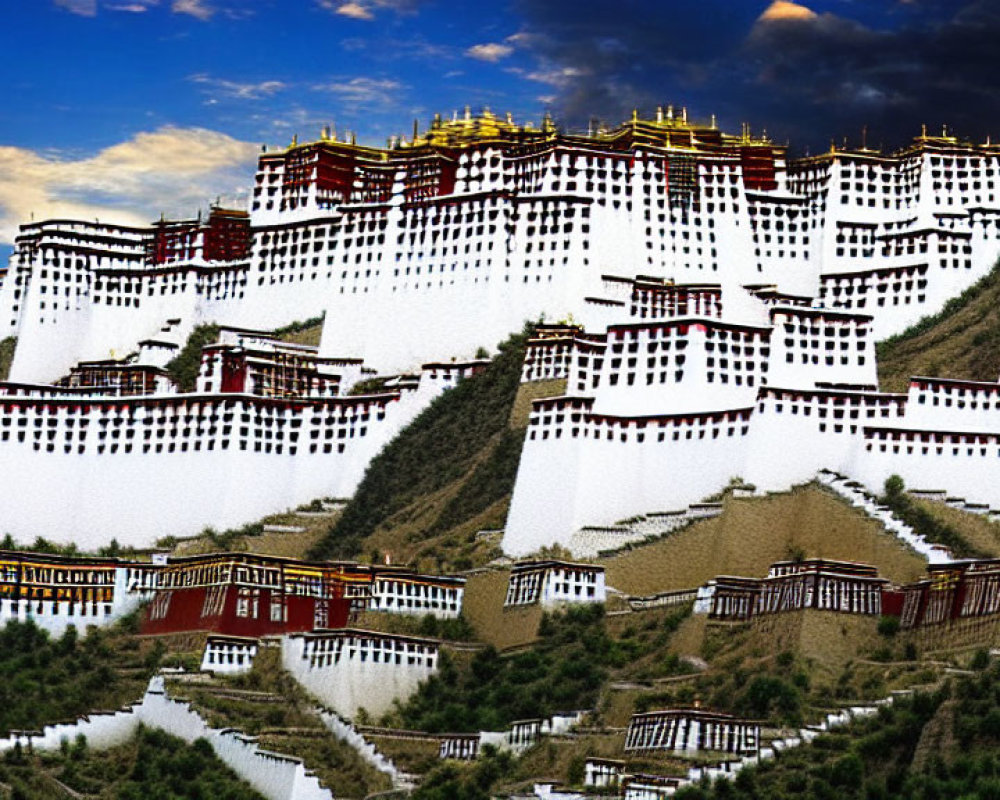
x=122, y=110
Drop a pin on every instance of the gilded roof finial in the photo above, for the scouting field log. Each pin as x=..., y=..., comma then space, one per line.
x=635, y=115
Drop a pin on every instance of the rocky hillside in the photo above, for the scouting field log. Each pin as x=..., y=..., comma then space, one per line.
x=962, y=341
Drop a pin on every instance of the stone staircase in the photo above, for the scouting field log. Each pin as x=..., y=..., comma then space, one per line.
x=857, y=496
x=590, y=541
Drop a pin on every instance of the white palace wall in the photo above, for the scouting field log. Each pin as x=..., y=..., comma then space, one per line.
x=621, y=467
x=830, y=422
x=960, y=463
x=349, y=670
x=192, y=466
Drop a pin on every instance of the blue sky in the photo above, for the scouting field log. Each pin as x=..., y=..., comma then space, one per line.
x=125, y=108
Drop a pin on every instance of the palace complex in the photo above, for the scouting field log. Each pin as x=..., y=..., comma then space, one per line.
x=722, y=300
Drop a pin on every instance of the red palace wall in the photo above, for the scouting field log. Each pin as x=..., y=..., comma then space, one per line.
x=184, y=613
x=234, y=373
x=892, y=602
x=227, y=237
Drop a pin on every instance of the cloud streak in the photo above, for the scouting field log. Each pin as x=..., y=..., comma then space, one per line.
x=171, y=169
x=357, y=94
x=220, y=87
x=199, y=9
x=84, y=8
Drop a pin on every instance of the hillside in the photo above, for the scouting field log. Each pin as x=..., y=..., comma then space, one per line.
x=962, y=341
x=447, y=475
x=308, y=332
x=939, y=743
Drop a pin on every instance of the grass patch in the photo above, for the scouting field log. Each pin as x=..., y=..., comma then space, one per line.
x=564, y=671
x=7, y=348
x=931, y=745
x=307, y=332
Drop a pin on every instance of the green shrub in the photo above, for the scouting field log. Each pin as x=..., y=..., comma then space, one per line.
x=183, y=367
x=888, y=626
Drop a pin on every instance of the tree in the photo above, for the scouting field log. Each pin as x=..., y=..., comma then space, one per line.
x=894, y=487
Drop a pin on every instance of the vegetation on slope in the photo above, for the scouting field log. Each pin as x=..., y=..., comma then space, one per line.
x=564, y=671
x=152, y=766
x=7, y=348
x=907, y=750
x=183, y=367
x=267, y=702
x=924, y=522
x=43, y=681
x=942, y=744
x=443, y=444
x=960, y=341
x=308, y=331
x=981, y=532
x=453, y=781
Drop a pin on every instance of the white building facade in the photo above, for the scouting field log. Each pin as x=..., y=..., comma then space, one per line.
x=714, y=278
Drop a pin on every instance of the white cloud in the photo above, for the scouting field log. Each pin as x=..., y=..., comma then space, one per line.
x=85, y=8
x=196, y=8
x=241, y=91
x=365, y=9
x=783, y=10
x=175, y=170
x=359, y=93
x=352, y=10
x=133, y=6
x=492, y=51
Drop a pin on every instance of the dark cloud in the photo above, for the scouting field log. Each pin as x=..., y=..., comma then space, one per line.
x=885, y=64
